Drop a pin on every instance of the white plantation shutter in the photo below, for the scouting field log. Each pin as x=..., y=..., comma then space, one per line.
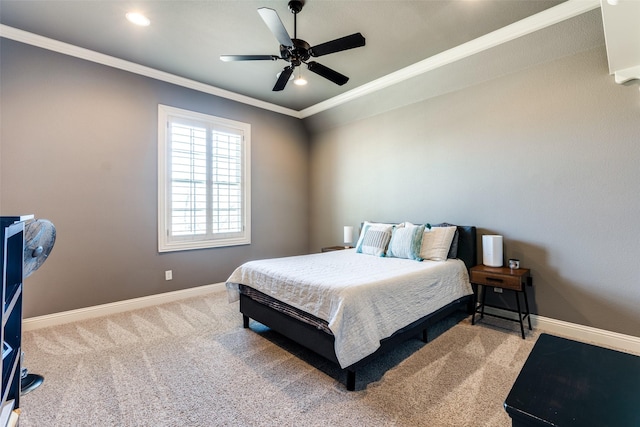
x=203, y=195
x=188, y=172
x=227, y=183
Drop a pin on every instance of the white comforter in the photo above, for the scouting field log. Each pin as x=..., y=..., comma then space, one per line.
x=363, y=298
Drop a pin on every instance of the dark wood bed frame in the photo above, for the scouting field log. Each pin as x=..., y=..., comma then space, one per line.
x=322, y=343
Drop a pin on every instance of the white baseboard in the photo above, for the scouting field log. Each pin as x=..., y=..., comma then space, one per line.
x=39, y=322
x=574, y=331
x=601, y=337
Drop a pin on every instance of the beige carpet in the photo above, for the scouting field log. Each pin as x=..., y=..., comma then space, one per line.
x=190, y=363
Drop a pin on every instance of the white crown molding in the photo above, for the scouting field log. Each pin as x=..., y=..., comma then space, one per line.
x=54, y=319
x=546, y=18
x=539, y=21
x=110, y=61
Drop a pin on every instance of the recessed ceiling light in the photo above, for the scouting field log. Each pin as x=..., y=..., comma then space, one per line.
x=138, y=19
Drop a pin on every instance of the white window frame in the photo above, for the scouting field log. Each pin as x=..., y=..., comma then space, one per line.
x=166, y=241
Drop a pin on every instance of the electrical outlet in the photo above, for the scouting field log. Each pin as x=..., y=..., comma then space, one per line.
x=168, y=275
x=498, y=290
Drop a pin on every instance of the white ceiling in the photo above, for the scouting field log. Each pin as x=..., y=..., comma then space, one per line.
x=186, y=38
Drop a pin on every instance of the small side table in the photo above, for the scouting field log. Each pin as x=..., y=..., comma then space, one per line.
x=335, y=248
x=504, y=278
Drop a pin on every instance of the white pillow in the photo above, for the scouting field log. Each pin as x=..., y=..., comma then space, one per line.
x=436, y=243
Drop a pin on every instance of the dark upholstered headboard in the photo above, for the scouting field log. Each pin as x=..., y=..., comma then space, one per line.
x=467, y=245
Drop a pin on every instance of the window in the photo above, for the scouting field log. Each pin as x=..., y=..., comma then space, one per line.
x=203, y=181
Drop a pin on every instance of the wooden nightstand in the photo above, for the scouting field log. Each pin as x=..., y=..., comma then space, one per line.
x=335, y=248
x=503, y=278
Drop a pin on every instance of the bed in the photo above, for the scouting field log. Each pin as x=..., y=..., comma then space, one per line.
x=351, y=305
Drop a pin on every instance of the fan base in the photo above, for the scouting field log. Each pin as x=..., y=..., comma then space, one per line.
x=30, y=382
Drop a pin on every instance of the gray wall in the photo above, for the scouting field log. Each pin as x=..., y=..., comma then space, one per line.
x=547, y=157
x=79, y=147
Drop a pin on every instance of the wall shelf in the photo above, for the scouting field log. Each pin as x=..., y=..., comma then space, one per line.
x=622, y=38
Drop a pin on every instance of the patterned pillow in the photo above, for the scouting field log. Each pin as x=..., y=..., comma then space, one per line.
x=374, y=239
x=367, y=224
x=436, y=243
x=405, y=242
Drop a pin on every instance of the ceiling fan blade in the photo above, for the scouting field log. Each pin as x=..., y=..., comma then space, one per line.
x=271, y=18
x=283, y=79
x=327, y=73
x=337, y=45
x=230, y=58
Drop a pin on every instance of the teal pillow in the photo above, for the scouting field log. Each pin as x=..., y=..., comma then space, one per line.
x=406, y=242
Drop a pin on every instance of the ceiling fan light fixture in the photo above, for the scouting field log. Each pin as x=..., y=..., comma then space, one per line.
x=138, y=19
x=300, y=81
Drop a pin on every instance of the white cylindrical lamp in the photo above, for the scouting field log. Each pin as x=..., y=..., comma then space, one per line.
x=348, y=235
x=492, y=250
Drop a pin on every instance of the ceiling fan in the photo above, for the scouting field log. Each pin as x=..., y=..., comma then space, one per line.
x=297, y=51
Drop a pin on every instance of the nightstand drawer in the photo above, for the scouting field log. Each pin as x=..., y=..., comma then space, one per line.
x=497, y=280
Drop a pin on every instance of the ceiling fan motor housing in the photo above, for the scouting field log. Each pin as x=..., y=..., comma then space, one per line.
x=296, y=54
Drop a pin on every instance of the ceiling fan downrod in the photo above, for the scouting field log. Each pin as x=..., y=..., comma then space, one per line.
x=298, y=53
x=295, y=6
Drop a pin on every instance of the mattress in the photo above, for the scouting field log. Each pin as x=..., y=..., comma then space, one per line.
x=282, y=307
x=362, y=298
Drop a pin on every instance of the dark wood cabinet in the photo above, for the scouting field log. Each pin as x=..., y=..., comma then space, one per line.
x=569, y=383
